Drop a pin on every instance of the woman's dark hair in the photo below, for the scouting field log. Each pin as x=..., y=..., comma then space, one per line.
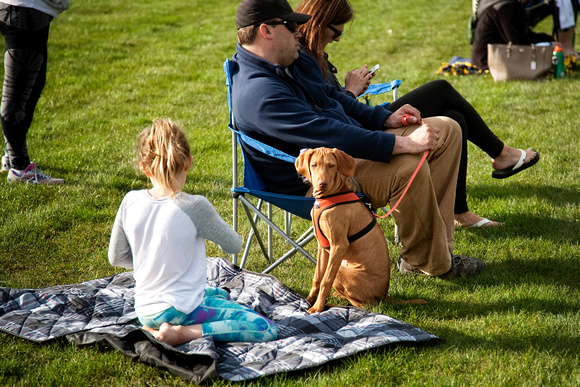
x=324, y=13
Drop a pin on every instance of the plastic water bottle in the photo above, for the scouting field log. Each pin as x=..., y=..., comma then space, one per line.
x=558, y=66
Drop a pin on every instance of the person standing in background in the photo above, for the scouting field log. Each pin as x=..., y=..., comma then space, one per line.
x=24, y=25
x=501, y=22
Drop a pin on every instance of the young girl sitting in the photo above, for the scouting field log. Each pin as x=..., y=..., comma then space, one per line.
x=160, y=233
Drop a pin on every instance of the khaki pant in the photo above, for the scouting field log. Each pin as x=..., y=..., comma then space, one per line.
x=425, y=214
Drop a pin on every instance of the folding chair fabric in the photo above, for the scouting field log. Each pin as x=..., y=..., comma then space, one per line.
x=253, y=186
x=380, y=88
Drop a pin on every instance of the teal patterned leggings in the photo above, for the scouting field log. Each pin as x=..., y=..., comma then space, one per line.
x=220, y=318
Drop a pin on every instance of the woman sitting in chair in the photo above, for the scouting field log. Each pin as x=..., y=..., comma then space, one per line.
x=436, y=98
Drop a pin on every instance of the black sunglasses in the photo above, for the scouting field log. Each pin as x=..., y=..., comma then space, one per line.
x=291, y=25
x=337, y=33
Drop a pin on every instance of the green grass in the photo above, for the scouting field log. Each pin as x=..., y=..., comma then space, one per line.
x=114, y=66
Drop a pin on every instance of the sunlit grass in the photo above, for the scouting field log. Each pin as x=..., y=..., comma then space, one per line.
x=115, y=66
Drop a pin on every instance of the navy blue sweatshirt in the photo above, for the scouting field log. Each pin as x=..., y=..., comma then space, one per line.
x=291, y=108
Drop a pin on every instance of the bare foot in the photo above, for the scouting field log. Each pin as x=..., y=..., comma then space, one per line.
x=176, y=334
x=469, y=219
x=510, y=156
x=169, y=334
x=154, y=332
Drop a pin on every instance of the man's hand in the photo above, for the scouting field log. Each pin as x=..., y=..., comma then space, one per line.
x=358, y=80
x=395, y=120
x=422, y=139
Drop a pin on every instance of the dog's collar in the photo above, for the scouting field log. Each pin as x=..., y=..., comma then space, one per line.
x=336, y=199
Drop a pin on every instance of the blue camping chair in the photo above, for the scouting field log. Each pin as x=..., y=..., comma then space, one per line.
x=381, y=88
x=253, y=187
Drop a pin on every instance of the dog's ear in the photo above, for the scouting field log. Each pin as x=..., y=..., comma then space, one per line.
x=302, y=163
x=346, y=164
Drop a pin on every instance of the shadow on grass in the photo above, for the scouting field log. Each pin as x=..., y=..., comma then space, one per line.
x=529, y=292
x=559, y=344
x=557, y=196
x=533, y=227
x=538, y=222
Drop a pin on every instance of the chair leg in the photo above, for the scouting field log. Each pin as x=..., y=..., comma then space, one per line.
x=396, y=235
x=297, y=247
x=235, y=225
x=287, y=222
x=250, y=237
x=270, y=247
x=308, y=233
x=253, y=223
x=304, y=240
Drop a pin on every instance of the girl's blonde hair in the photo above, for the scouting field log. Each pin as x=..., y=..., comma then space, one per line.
x=163, y=151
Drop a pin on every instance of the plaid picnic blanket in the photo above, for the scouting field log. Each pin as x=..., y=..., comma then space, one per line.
x=100, y=312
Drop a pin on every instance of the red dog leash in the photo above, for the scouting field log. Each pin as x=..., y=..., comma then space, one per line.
x=406, y=123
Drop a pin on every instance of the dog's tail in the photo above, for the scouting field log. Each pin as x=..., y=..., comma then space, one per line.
x=417, y=301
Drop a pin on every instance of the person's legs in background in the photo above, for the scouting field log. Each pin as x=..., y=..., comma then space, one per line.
x=25, y=76
x=439, y=98
x=567, y=14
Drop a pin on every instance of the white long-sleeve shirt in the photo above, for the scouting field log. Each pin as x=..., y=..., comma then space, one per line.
x=163, y=241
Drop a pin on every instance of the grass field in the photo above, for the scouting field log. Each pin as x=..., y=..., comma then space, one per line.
x=114, y=66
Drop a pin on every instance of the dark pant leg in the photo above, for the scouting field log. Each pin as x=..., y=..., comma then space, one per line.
x=439, y=98
x=24, y=79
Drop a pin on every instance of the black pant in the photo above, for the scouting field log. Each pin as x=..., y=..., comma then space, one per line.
x=439, y=98
x=15, y=130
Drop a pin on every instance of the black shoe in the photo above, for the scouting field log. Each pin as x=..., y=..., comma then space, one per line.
x=462, y=266
x=405, y=268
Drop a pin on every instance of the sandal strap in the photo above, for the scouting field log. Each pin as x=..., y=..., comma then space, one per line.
x=522, y=159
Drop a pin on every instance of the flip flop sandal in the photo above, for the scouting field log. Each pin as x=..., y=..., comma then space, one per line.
x=520, y=166
x=483, y=223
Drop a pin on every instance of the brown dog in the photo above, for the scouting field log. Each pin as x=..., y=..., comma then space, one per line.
x=353, y=256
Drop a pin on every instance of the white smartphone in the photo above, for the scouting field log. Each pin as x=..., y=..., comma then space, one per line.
x=372, y=71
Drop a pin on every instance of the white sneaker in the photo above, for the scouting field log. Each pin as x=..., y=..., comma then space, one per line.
x=32, y=175
x=5, y=163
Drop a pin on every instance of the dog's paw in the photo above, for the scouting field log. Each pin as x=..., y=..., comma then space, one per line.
x=316, y=308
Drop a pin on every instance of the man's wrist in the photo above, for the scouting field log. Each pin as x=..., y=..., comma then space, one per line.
x=387, y=125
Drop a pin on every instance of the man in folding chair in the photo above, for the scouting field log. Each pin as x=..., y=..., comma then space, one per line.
x=280, y=98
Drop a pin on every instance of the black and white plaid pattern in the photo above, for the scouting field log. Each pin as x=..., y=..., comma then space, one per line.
x=105, y=306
